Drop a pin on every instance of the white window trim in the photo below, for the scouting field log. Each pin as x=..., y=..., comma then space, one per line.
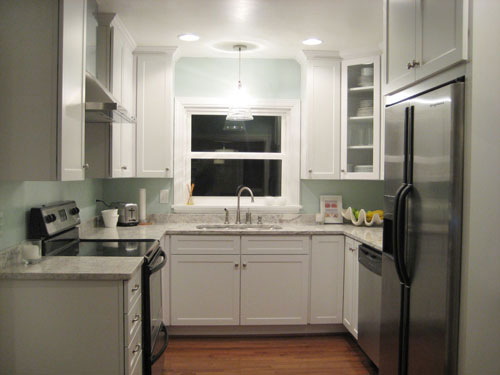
x=290, y=154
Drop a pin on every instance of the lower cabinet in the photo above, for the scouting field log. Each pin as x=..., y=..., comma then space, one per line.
x=274, y=289
x=75, y=327
x=327, y=279
x=205, y=290
x=351, y=271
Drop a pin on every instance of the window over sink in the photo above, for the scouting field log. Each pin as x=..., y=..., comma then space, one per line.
x=218, y=156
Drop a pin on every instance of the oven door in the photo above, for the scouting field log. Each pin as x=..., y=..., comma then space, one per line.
x=153, y=325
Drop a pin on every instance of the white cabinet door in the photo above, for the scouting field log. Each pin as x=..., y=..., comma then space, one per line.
x=154, y=114
x=72, y=92
x=117, y=44
x=360, y=150
x=205, y=290
x=274, y=289
x=321, y=127
x=122, y=149
x=128, y=80
x=441, y=35
x=327, y=279
x=350, y=314
x=400, y=43
x=127, y=149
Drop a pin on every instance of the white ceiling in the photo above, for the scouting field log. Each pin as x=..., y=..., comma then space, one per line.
x=276, y=26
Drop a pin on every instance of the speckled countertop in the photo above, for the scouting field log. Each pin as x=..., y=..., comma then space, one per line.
x=122, y=268
x=74, y=268
x=369, y=236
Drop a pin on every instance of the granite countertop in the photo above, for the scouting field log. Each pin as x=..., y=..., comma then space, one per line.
x=368, y=235
x=74, y=268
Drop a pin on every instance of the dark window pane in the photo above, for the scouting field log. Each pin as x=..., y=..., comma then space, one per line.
x=212, y=133
x=217, y=178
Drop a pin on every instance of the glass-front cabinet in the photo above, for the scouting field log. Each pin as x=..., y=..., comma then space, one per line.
x=360, y=124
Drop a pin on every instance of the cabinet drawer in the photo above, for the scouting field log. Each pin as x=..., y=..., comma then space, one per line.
x=132, y=320
x=212, y=245
x=133, y=352
x=132, y=290
x=275, y=245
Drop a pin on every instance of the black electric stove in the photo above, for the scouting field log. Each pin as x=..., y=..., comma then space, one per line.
x=56, y=225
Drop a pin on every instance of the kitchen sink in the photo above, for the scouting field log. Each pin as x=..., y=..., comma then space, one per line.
x=239, y=226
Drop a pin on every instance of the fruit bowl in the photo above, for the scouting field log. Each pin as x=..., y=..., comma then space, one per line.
x=348, y=214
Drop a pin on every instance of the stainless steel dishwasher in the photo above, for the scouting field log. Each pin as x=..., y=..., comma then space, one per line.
x=369, y=303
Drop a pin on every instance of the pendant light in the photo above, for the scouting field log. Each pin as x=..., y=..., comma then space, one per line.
x=239, y=110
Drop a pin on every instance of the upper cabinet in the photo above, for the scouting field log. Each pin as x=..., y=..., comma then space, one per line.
x=360, y=129
x=320, y=117
x=155, y=111
x=42, y=110
x=422, y=37
x=340, y=117
x=115, y=60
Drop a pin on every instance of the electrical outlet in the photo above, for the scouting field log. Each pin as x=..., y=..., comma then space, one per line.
x=164, y=195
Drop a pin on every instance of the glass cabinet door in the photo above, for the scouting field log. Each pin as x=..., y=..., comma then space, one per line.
x=360, y=159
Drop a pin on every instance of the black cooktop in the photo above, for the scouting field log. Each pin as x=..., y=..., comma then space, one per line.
x=109, y=248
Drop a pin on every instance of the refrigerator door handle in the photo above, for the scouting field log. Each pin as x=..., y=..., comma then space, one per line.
x=400, y=235
x=395, y=221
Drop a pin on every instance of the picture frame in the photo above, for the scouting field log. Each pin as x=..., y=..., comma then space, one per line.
x=331, y=208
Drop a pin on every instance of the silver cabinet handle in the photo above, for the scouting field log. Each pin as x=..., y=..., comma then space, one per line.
x=86, y=166
x=413, y=64
x=136, y=318
x=137, y=348
x=136, y=288
x=245, y=264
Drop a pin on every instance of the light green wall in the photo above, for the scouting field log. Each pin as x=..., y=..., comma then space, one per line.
x=16, y=198
x=261, y=78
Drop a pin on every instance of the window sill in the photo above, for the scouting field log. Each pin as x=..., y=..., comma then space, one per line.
x=210, y=209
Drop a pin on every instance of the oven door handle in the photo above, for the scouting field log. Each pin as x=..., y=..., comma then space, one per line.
x=154, y=357
x=158, y=267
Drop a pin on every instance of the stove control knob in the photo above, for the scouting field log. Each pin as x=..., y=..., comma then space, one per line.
x=74, y=211
x=50, y=218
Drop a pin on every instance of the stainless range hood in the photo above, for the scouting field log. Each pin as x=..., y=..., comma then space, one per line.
x=100, y=105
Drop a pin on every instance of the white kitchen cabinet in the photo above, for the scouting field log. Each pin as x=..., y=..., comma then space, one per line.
x=154, y=112
x=123, y=149
x=360, y=131
x=351, y=271
x=205, y=290
x=423, y=37
x=274, y=289
x=115, y=60
x=42, y=87
x=71, y=327
x=327, y=279
x=320, y=117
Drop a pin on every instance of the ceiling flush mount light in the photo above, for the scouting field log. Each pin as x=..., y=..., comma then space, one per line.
x=189, y=37
x=239, y=110
x=312, y=42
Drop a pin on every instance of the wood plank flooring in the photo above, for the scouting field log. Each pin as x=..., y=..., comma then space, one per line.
x=320, y=355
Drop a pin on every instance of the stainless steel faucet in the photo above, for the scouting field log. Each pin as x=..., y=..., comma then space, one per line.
x=243, y=188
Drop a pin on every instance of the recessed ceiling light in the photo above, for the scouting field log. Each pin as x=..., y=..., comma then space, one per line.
x=189, y=37
x=312, y=42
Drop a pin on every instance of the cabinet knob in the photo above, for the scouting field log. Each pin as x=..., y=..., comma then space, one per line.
x=136, y=288
x=124, y=167
x=245, y=264
x=167, y=169
x=413, y=64
x=137, y=348
x=136, y=318
x=310, y=170
x=236, y=265
x=86, y=166
x=409, y=66
x=342, y=170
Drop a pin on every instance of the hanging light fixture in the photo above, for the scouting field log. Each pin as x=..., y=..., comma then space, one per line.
x=239, y=110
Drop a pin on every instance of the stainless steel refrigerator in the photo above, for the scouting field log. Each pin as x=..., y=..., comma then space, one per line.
x=422, y=232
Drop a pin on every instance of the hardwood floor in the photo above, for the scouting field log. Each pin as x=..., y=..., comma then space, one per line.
x=323, y=355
